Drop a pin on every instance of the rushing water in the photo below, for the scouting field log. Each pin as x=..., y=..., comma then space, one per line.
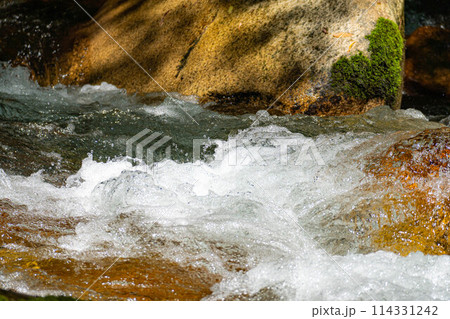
x=238, y=213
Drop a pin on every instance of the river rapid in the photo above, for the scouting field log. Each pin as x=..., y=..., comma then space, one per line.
x=229, y=220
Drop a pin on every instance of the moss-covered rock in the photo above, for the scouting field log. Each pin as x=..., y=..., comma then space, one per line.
x=377, y=76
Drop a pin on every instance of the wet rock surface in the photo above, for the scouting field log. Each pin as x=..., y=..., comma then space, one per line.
x=415, y=214
x=427, y=65
x=149, y=277
x=36, y=33
x=403, y=202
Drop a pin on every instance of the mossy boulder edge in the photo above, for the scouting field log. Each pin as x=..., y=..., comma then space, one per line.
x=377, y=76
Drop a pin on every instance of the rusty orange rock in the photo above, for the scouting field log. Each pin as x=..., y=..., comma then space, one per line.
x=427, y=64
x=413, y=213
x=149, y=277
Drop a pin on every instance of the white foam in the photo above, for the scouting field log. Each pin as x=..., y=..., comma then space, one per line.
x=103, y=87
x=244, y=207
x=208, y=213
x=412, y=113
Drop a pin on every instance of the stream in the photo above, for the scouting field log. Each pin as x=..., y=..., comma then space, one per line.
x=228, y=220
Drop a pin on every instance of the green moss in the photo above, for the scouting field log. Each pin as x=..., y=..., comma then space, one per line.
x=379, y=76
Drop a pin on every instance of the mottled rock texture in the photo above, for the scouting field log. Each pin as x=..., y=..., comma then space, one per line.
x=219, y=50
x=412, y=211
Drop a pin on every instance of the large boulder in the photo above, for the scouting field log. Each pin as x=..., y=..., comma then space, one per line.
x=246, y=52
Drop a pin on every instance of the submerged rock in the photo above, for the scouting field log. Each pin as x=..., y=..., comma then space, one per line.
x=405, y=207
x=27, y=240
x=414, y=214
x=219, y=50
x=402, y=204
x=427, y=65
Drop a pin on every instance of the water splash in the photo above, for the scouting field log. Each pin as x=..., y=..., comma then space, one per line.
x=246, y=223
